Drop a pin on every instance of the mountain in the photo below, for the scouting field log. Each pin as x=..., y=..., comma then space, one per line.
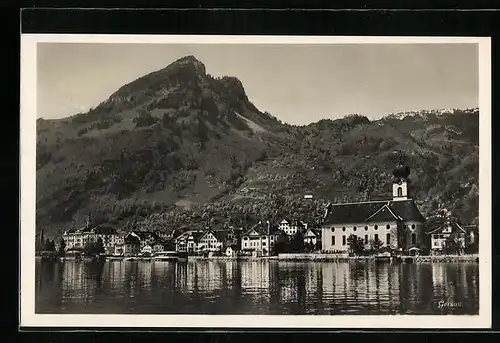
x=180, y=148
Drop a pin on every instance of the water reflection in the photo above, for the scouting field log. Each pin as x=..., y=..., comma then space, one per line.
x=256, y=287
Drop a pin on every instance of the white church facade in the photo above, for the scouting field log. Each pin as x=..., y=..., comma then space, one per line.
x=396, y=222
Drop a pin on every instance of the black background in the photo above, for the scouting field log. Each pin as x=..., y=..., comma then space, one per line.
x=424, y=20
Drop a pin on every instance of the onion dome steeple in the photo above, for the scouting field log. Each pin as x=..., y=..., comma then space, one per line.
x=401, y=178
x=401, y=172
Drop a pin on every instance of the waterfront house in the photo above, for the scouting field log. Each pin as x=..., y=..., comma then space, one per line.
x=443, y=234
x=312, y=237
x=107, y=234
x=188, y=241
x=219, y=240
x=260, y=239
x=132, y=244
x=292, y=227
x=76, y=238
x=90, y=233
x=396, y=222
x=231, y=251
x=233, y=237
x=212, y=241
x=181, y=242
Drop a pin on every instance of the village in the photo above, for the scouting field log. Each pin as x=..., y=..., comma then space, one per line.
x=383, y=228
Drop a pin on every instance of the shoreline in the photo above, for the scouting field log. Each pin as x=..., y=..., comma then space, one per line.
x=340, y=258
x=322, y=258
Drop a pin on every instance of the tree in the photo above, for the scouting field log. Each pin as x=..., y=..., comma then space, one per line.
x=99, y=246
x=297, y=243
x=281, y=245
x=356, y=244
x=94, y=248
x=62, y=247
x=452, y=245
x=309, y=247
x=317, y=246
x=49, y=245
x=375, y=245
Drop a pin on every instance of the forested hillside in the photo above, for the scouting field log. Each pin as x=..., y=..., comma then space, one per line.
x=180, y=148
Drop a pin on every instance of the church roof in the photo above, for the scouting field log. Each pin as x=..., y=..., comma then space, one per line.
x=372, y=211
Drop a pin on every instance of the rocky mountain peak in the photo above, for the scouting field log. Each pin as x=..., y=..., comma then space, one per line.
x=189, y=61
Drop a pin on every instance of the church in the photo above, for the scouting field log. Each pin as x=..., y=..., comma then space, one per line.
x=396, y=222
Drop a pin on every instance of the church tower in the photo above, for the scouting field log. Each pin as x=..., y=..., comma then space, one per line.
x=400, y=183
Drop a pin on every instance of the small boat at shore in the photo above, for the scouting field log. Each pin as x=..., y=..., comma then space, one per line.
x=166, y=256
x=130, y=258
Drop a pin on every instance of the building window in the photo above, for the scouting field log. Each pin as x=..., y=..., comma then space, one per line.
x=343, y=228
x=333, y=229
x=376, y=236
x=376, y=227
x=333, y=240
x=413, y=226
x=413, y=238
x=388, y=227
x=366, y=228
x=343, y=240
x=388, y=238
x=400, y=192
x=354, y=228
x=366, y=239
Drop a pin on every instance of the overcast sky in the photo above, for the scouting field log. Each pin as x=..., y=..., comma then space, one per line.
x=299, y=84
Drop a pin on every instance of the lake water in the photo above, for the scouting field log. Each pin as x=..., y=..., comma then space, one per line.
x=256, y=287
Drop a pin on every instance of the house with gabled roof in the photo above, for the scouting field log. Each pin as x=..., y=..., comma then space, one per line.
x=131, y=244
x=440, y=235
x=260, y=239
x=312, y=237
x=188, y=241
x=292, y=227
x=396, y=222
x=213, y=240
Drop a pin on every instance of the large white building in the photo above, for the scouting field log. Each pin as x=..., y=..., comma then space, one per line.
x=260, y=239
x=90, y=233
x=396, y=222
